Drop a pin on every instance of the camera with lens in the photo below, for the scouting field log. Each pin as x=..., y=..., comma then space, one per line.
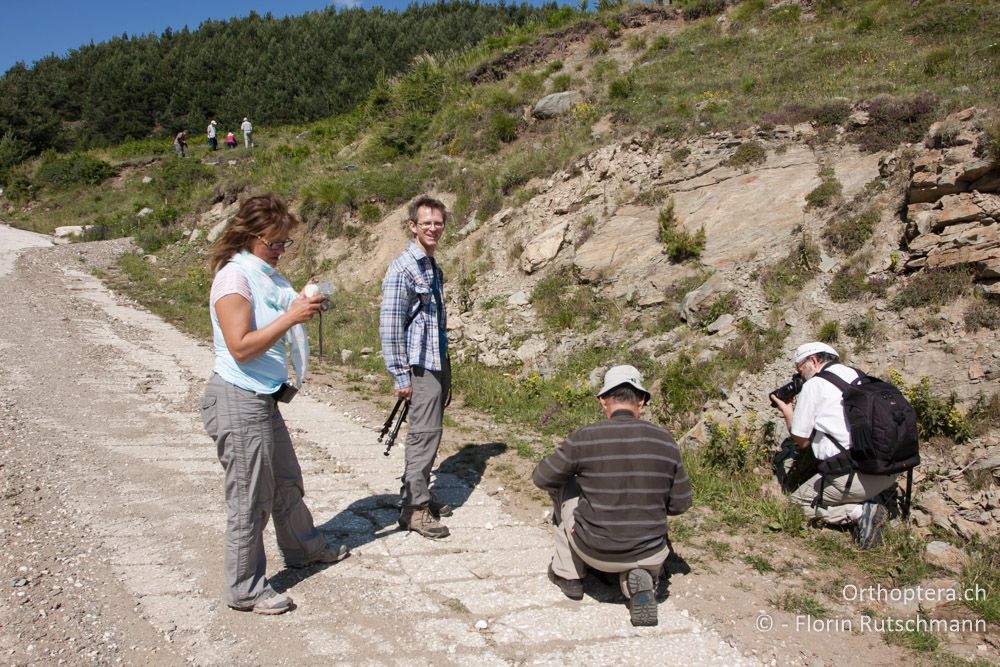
x=316, y=289
x=790, y=390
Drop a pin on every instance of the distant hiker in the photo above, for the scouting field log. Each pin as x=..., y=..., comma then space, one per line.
x=231, y=140
x=213, y=143
x=848, y=498
x=415, y=346
x=257, y=322
x=247, y=133
x=614, y=483
x=180, y=143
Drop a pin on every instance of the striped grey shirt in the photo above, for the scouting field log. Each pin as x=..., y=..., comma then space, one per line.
x=631, y=477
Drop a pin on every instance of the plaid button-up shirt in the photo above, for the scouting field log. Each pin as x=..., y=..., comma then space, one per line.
x=411, y=325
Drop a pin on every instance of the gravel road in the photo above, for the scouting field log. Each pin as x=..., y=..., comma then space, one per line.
x=112, y=516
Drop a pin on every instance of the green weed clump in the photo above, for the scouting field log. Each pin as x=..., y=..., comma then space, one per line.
x=852, y=282
x=679, y=244
x=934, y=287
x=827, y=192
x=620, y=87
x=562, y=304
x=74, y=169
x=850, y=234
x=785, y=278
x=561, y=82
x=864, y=330
x=748, y=154
x=598, y=46
x=179, y=178
x=981, y=314
x=828, y=332
x=738, y=447
x=696, y=9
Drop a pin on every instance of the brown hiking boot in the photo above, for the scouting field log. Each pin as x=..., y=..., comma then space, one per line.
x=419, y=520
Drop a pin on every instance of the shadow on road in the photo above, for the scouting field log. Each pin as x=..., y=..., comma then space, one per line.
x=455, y=479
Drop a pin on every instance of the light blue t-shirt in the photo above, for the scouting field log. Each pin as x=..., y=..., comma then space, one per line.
x=264, y=374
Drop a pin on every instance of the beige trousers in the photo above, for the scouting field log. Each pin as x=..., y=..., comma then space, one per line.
x=569, y=563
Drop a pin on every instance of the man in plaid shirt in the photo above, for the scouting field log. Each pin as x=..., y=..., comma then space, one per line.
x=415, y=346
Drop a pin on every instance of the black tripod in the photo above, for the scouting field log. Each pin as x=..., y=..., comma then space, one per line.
x=395, y=429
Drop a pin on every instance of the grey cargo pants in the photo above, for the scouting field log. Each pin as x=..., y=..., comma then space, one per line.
x=423, y=436
x=262, y=478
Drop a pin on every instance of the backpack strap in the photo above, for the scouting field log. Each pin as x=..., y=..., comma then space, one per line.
x=843, y=386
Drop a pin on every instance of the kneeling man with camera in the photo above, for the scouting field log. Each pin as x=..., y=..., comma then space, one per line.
x=613, y=484
x=839, y=494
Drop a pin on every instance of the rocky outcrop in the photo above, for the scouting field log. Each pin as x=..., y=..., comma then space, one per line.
x=953, y=214
x=556, y=104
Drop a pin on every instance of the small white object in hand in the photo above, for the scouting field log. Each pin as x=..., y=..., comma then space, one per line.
x=311, y=290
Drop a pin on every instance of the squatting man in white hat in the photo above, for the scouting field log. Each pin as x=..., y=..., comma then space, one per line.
x=817, y=421
x=613, y=484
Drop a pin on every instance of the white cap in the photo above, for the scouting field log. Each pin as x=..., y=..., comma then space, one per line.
x=213, y=122
x=245, y=118
x=806, y=350
x=619, y=375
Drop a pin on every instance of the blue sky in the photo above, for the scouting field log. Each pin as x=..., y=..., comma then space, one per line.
x=33, y=30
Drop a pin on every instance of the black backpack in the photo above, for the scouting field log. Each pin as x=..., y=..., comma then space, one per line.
x=883, y=427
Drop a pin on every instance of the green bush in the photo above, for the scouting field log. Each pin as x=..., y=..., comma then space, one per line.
x=679, y=244
x=74, y=169
x=748, y=154
x=981, y=314
x=738, y=447
x=849, y=234
x=696, y=9
x=659, y=43
x=598, y=46
x=864, y=330
x=933, y=287
x=620, y=87
x=503, y=127
x=828, y=332
x=785, y=15
x=726, y=303
x=561, y=82
x=827, y=192
x=141, y=148
x=562, y=304
x=892, y=121
x=852, y=282
x=786, y=277
x=180, y=177
x=12, y=152
x=636, y=43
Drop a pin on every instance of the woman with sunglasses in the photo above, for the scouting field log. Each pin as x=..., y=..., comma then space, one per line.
x=257, y=322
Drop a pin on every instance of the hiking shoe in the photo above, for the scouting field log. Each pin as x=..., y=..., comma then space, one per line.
x=867, y=532
x=419, y=520
x=642, y=600
x=330, y=554
x=439, y=510
x=270, y=603
x=571, y=588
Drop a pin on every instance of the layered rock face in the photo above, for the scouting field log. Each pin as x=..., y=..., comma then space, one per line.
x=953, y=214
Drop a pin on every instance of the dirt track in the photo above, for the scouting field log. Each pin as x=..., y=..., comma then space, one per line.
x=112, y=516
